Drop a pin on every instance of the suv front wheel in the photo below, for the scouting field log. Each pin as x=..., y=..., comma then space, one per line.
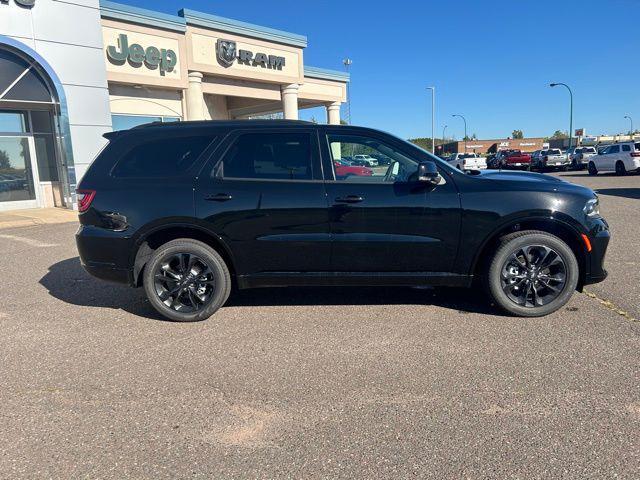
x=186, y=280
x=532, y=274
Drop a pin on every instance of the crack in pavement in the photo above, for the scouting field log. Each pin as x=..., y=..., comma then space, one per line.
x=612, y=306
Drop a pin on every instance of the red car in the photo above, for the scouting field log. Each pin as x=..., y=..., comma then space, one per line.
x=513, y=159
x=343, y=169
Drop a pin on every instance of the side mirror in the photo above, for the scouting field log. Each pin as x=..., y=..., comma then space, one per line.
x=428, y=172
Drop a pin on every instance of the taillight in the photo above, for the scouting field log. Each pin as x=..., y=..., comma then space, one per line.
x=85, y=197
x=635, y=154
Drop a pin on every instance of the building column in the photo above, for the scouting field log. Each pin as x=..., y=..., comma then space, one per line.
x=195, y=98
x=289, y=95
x=333, y=113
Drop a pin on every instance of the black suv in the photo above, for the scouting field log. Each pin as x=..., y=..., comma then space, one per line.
x=189, y=209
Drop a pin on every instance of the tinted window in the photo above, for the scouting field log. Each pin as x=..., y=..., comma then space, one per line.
x=270, y=156
x=162, y=158
x=626, y=148
x=554, y=152
x=614, y=149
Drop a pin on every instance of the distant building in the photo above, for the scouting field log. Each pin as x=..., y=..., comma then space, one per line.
x=491, y=146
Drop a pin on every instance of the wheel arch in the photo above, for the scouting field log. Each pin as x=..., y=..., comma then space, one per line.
x=151, y=240
x=563, y=230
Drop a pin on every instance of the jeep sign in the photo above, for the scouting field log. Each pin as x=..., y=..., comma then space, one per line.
x=136, y=55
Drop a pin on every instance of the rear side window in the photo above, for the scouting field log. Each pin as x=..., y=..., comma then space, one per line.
x=165, y=157
x=614, y=149
x=269, y=156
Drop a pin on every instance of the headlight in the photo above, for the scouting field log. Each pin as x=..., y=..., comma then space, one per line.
x=592, y=207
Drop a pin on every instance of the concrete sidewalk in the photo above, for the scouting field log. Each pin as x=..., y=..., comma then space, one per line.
x=36, y=216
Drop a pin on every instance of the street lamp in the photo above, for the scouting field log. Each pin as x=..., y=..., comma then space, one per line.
x=465, y=130
x=443, y=130
x=433, y=118
x=347, y=63
x=631, y=121
x=570, y=111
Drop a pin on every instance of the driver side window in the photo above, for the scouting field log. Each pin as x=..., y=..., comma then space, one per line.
x=358, y=159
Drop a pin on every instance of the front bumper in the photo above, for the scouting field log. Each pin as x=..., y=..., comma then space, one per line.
x=599, y=237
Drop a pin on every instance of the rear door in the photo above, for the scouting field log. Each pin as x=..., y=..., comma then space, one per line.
x=612, y=154
x=264, y=195
x=387, y=222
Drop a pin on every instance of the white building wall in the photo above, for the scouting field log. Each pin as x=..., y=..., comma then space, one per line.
x=68, y=35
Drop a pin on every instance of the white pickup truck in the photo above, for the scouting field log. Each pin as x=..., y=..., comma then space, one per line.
x=467, y=161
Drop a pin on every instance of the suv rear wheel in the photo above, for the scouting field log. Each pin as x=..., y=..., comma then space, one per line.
x=532, y=274
x=186, y=280
x=620, y=168
x=591, y=168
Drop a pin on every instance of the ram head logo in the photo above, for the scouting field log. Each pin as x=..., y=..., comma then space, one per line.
x=226, y=52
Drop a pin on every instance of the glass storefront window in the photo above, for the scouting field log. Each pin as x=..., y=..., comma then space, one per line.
x=16, y=180
x=12, y=122
x=124, y=122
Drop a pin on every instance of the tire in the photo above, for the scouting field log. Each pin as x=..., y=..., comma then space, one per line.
x=591, y=168
x=620, y=168
x=160, y=276
x=549, y=296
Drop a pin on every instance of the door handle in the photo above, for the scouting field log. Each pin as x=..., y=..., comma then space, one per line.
x=218, y=197
x=350, y=199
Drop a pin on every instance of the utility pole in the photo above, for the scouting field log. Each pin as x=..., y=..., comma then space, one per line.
x=433, y=118
x=631, y=121
x=570, y=111
x=347, y=63
x=465, y=129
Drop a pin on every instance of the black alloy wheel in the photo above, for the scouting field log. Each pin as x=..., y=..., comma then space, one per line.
x=533, y=275
x=591, y=168
x=186, y=280
x=620, y=168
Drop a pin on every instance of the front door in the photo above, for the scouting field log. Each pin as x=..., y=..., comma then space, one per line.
x=381, y=219
x=266, y=199
x=19, y=182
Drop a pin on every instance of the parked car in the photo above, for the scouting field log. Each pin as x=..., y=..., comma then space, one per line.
x=344, y=169
x=368, y=160
x=467, y=161
x=513, y=159
x=551, y=159
x=619, y=157
x=579, y=156
x=188, y=209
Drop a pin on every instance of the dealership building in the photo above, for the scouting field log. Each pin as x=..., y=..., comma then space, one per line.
x=72, y=70
x=491, y=146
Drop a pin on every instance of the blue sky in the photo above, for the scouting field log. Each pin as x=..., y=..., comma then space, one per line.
x=489, y=60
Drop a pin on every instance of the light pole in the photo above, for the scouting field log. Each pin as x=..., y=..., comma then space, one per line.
x=465, y=130
x=433, y=118
x=570, y=111
x=347, y=63
x=631, y=121
x=443, y=142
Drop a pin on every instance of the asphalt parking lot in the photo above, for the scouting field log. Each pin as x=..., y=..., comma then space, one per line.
x=317, y=383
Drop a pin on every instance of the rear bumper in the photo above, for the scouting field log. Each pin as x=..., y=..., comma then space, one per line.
x=105, y=254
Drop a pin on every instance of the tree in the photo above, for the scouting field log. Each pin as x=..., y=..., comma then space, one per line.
x=559, y=134
x=472, y=137
x=5, y=162
x=517, y=134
